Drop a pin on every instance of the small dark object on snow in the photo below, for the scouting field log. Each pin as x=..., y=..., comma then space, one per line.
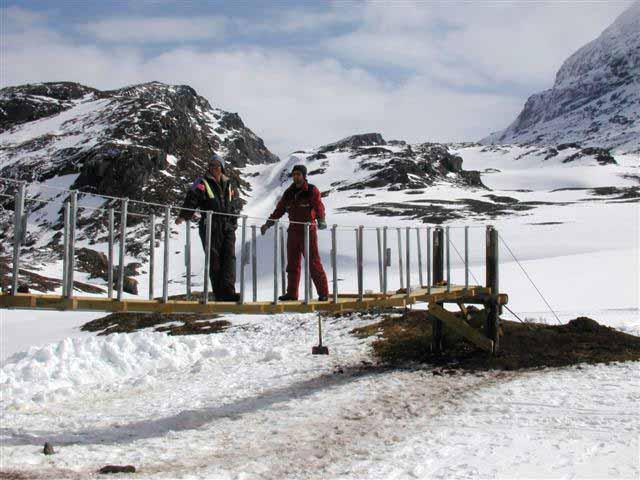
x=23, y=288
x=584, y=324
x=320, y=350
x=48, y=449
x=117, y=469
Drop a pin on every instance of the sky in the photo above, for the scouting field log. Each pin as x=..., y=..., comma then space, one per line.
x=303, y=74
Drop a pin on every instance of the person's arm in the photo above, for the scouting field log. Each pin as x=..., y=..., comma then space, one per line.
x=279, y=211
x=191, y=201
x=318, y=206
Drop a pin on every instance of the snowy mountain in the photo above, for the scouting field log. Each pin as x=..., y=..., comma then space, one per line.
x=595, y=100
x=144, y=142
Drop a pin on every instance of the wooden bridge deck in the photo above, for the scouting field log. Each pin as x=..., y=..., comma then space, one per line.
x=345, y=303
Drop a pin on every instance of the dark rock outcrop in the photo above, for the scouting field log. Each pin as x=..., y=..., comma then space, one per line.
x=354, y=141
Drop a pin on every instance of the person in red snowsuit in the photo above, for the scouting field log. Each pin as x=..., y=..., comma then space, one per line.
x=302, y=201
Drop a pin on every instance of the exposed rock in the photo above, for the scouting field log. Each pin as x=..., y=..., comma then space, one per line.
x=107, y=469
x=354, y=141
x=144, y=142
x=48, y=449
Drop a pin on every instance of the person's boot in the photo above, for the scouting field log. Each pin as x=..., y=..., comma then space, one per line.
x=230, y=297
x=287, y=297
x=323, y=298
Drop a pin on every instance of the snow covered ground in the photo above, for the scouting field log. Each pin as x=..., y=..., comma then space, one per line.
x=253, y=403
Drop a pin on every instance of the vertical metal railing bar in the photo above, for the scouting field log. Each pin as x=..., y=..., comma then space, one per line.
x=386, y=260
x=152, y=254
x=254, y=263
x=360, y=245
x=400, y=260
x=334, y=261
x=17, y=234
x=306, y=263
x=167, y=251
x=448, y=258
x=283, y=262
x=207, y=258
x=110, y=258
x=243, y=253
x=379, y=243
x=466, y=258
x=65, y=253
x=121, y=252
x=420, y=276
x=408, y=253
x=429, y=260
x=73, y=220
x=276, y=236
x=187, y=257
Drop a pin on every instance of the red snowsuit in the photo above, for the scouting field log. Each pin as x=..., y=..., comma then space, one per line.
x=303, y=205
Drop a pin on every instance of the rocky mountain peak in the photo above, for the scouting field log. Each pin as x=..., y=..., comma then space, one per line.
x=354, y=141
x=595, y=100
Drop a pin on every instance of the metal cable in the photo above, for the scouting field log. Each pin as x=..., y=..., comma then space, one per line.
x=172, y=207
x=529, y=278
x=516, y=315
x=461, y=258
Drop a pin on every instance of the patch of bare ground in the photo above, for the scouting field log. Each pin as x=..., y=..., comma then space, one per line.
x=172, y=324
x=408, y=337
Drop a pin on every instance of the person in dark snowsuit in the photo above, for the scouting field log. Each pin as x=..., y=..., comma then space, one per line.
x=215, y=192
x=302, y=201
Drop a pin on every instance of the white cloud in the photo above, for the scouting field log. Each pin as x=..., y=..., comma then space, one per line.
x=156, y=29
x=483, y=43
x=296, y=102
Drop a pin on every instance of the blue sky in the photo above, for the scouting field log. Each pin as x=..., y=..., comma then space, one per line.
x=301, y=74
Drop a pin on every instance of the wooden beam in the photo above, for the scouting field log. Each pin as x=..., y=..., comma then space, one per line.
x=461, y=327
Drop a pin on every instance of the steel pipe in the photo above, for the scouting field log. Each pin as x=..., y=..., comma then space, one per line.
x=207, y=258
x=187, y=256
x=110, y=241
x=152, y=254
x=73, y=215
x=243, y=256
x=428, y=259
x=18, y=234
x=122, y=245
x=387, y=260
x=448, y=257
x=379, y=243
x=65, y=253
x=167, y=247
x=420, y=277
x=408, y=240
x=360, y=243
x=466, y=257
x=307, y=289
x=254, y=263
x=283, y=262
x=400, y=267
x=334, y=261
x=276, y=236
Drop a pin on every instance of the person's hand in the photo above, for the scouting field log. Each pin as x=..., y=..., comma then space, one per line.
x=179, y=220
x=264, y=228
x=322, y=224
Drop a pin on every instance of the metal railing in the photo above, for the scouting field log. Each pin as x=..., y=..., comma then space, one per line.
x=432, y=243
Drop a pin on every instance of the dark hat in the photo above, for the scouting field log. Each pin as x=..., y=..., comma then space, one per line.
x=216, y=158
x=300, y=168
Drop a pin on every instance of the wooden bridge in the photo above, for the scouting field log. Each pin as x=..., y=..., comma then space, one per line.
x=438, y=290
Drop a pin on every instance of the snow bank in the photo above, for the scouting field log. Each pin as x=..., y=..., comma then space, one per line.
x=57, y=370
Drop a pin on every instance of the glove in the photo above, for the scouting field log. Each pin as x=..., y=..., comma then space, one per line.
x=322, y=224
x=264, y=228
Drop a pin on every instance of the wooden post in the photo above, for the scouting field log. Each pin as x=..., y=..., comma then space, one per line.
x=438, y=256
x=492, y=277
x=438, y=333
x=493, y=309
